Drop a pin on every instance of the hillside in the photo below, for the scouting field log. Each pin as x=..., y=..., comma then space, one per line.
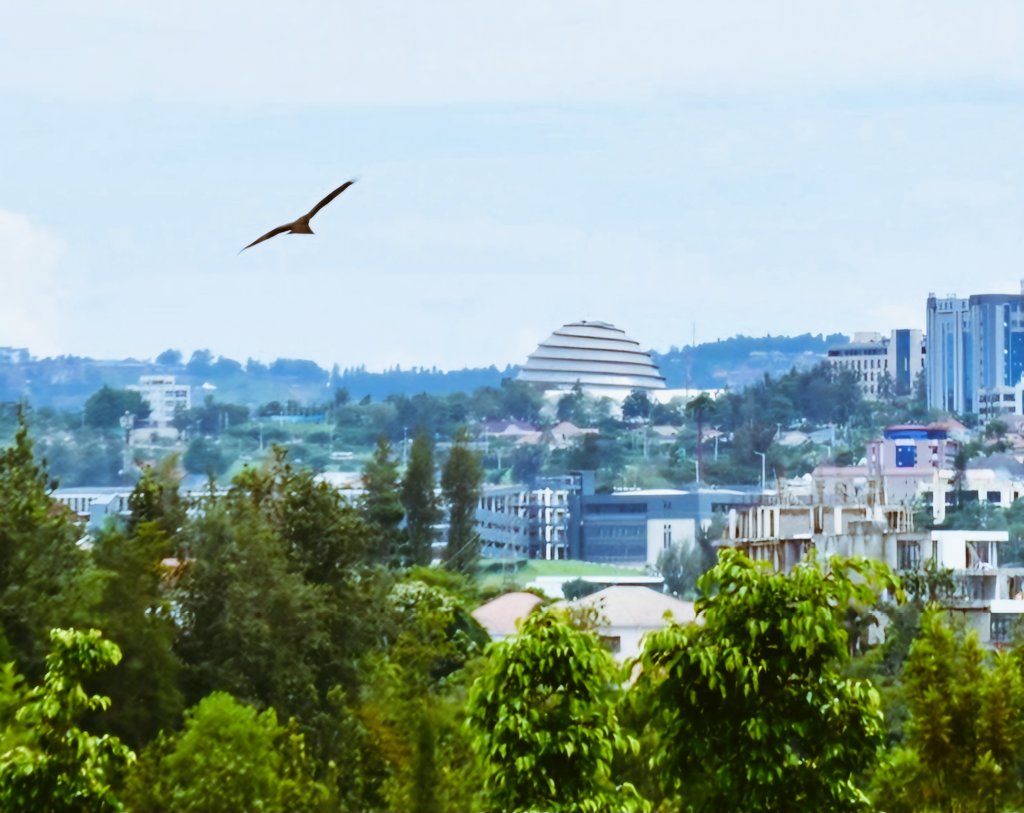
x=64, y=382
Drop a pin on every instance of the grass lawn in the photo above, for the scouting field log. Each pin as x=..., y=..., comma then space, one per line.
x=491, y=574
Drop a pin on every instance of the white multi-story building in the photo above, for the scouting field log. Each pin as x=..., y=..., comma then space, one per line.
x=521, y=521
x=164, y=396
x=898, y=358
x=988, y=596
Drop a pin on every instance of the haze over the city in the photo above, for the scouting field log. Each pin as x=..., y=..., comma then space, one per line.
x=678, y=169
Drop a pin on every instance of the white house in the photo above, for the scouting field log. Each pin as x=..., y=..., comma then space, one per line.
x=626, y=614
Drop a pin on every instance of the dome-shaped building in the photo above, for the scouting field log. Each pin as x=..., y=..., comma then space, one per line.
x=597, y=355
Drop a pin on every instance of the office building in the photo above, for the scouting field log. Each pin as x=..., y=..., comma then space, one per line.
x=976, y=354
x=884, y=365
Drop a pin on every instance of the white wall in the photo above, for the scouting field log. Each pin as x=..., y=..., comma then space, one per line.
x=682, y=531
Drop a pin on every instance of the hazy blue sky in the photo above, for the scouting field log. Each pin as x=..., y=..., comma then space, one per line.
x=743, y=167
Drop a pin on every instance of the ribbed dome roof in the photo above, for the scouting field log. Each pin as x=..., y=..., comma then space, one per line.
x=596, y=354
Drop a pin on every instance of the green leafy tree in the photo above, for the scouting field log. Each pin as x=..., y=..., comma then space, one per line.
x=278, y=604
x=460, y=486
x=135, y=613
x=637, y=406
x=381, y=501
x=45, y=578
x=681, y=565
x=527, y=463
x=50, y=763
x=229, y=756
x=578, y=588
x=156, y=498
x=105, y=407
x=413, y=704
x=419, y=499
x=170, y=357
x=205, y=457
x=965, y=733
x=249, y=623
x=751, y=710
x=572, y=406
x=521, y=399
x=543, y=714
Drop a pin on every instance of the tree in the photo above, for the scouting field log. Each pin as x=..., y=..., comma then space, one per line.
x=51, y=764
x=521, y=399
x=200, y=362
x=381, y=501
x=681, y=565
x=419, y=499
x=155, y=498
x=277, y=604
x=249, y=623
x=751, y=710
x=135, y=613
x=45, y=578
x=543, y=715
x=169, y=357
x=572, y=405
x=414, y=701
x=527, y=463
x=965, y=734
x=460, y=486
x=637, y=406
x=229, y=756
x=105, y=407
x=205, y=457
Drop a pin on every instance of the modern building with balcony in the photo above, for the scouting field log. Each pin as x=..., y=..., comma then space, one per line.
x=529, y=522
x=988, y=597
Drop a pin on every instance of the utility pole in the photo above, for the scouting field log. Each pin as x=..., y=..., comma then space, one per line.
x=762, y=456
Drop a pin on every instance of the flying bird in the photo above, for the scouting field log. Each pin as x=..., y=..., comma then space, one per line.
x=301, y=225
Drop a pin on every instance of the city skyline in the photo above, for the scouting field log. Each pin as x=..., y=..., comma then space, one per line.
x=679, y=171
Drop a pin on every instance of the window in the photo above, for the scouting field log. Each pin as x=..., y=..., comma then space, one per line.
x=908, y=554
x=906, y=456
x=1001, y=630
x=666, y=536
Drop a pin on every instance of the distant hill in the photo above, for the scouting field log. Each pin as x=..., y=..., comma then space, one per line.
x=65, y=382
x=741, y=360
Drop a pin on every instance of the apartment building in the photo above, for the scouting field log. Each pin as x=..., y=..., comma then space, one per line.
x=164, y=396
x=988, y=596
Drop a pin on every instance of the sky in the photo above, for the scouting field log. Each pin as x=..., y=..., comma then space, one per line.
x=680, y=169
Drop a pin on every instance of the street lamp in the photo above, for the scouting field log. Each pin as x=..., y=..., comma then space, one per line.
x=762, y=456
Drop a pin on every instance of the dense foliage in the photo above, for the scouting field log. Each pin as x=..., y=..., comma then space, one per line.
x=271, y=645
x=752, y=710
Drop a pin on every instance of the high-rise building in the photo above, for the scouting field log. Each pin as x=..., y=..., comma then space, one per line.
x=881, y=362
x=976, y=353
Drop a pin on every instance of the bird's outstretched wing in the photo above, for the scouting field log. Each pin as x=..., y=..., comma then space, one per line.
x=329, y=198
x=268, y=235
